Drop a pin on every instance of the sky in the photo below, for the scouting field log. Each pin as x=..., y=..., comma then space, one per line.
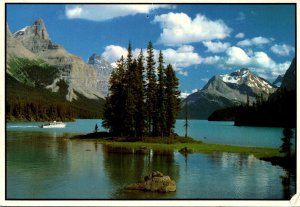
x=199, y=40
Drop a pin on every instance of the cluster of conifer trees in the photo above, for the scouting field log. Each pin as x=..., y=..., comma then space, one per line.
x=27, y=103
x=278, y=111
x=144, y=98
x=17, y=109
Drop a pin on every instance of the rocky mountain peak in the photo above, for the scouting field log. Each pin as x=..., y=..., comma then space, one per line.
x=95, y=58
x=236, y=77
x=35, y=37
x=242, y=72
x=103, y=69
x=228, y=90
x=289, y=78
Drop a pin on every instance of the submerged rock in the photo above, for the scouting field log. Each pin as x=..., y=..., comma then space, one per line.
x=155, y=182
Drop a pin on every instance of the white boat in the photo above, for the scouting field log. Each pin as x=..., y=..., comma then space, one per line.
x=55, y=124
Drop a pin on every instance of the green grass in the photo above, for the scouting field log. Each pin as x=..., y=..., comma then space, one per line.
x=181, y=142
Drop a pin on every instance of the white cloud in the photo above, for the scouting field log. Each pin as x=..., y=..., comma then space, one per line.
x=182, y=72
x=179, y=28
x=181, y=58
x=282, y=50
x=240, y=35
x=113, y=53
x=254, y=41
x=211, y=60
x=216, y=47
x=74, y=12
x=195, y=90
x=105, y=12
x=184, y=94
x=258, y=62
x=280, y=69
x=237, y=56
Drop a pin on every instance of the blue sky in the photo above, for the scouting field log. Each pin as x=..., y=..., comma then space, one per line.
x=199, y=40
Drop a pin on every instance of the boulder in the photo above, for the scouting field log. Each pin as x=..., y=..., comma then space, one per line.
x=155, y=182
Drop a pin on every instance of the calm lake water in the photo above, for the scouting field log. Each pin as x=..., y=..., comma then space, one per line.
x=45, y=164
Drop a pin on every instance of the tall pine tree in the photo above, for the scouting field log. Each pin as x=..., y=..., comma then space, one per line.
x=140, y=96
x=114, y=105
x=130, y=99
x=141, y=104
x=173, y=101
x=161, y=99
x=150, y=90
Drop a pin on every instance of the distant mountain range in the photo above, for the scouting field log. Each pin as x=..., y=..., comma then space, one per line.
x=279, y=110
x=60, y=72
x=228, y=90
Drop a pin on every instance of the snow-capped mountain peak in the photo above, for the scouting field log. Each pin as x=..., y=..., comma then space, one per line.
x=236, y=77
x=238, y=85
x=21, y=30
x=246, y=77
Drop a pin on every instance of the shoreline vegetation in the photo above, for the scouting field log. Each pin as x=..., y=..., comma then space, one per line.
x=178, y=143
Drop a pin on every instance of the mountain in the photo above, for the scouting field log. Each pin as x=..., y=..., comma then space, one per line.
x=223, y=91
x=278, y=111
x=103, y=69
x=36, y=63
x=79, y=76
x=289, y=78
x=278, y=81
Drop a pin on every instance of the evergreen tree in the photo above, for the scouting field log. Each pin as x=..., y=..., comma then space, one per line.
x=161, y=98
x=186, y=124
x=130, y=99
x=150, y=90
x=136, y=104
x=113, y=114
x=140, y=96
x=173, y=101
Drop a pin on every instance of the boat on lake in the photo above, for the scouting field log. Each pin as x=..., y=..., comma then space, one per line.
x=54, y=124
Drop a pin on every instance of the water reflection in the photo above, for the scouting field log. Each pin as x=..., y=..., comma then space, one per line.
x=31, y=159
x=130, y=166
x=288, y=187
x=42, y=165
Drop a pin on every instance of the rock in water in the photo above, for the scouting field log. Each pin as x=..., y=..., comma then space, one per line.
x=155, y=182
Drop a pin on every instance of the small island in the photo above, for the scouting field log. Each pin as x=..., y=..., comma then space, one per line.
x=140, y=114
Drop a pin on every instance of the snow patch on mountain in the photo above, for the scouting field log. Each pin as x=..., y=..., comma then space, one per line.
x=103, y=70
x=228, y=90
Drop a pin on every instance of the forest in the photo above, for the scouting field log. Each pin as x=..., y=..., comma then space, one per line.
x=277, y=111
x=28, y=103
x=144, y=98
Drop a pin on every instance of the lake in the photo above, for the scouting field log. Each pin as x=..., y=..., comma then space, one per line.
x=45, y=164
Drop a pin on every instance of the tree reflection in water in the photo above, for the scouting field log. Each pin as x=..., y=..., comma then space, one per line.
x=123, y=166
x=287, y=188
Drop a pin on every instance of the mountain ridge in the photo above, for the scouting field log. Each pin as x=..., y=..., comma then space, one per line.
x=36, y=64
x=33, y=42
x=222, y=91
